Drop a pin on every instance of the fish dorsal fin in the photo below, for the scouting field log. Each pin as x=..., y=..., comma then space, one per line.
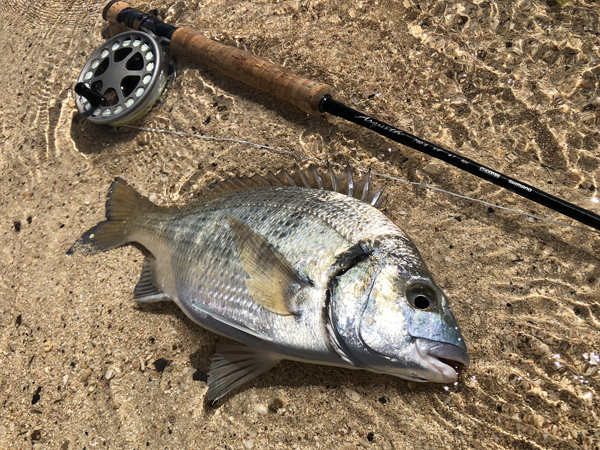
x=146, y=291
x=273, y=283
x=234, y=365
x=346, y=182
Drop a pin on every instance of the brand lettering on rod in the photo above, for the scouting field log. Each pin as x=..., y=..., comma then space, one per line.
x=489, y=172
x=376, y=124
x=522, y=186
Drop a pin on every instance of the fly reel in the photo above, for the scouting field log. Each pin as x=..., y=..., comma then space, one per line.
x=124, y=78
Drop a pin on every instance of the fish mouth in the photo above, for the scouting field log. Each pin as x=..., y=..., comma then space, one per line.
x=443, y=358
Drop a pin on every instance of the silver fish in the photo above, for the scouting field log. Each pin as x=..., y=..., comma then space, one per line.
x=298, y=266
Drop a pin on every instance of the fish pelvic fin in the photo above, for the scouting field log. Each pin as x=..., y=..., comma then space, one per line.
x=273, y=283
x=123, y=207
x=234, y=365
x=146, y=290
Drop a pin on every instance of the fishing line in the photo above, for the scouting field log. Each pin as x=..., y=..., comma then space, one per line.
x=122, y=80
x=381, y=175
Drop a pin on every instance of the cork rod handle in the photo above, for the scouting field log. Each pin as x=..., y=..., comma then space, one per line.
x=238, y=64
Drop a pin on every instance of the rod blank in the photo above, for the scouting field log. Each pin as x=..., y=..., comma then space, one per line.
x=468, y=165
x=315, y=98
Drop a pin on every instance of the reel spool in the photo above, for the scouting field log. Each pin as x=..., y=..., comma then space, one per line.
x=124, y=78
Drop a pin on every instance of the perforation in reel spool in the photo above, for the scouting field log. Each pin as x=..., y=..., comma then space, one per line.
x=129, y=72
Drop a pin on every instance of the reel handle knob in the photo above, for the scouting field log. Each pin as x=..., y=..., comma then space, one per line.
x=93, y=97
x=230, y=61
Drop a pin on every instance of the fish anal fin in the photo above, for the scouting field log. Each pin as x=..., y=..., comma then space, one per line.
x=273, y=283
x=234, y=365
x=146, y=291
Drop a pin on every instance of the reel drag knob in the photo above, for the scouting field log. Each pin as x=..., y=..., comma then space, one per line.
x=123, y=78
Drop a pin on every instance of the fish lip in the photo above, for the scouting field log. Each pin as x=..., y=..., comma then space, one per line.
x=443, y=356
x=450, y=353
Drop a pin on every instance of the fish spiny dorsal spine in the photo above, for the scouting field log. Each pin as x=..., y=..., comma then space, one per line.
x=345, y=182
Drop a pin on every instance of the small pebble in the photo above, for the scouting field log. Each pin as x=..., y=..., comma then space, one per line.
x=249, y=444
x=143, y=139
x=48, y=346
x=352, y=395
x=457, y=99
x=36, y=435
x=109, y=374
x=200, y=375
x=36, y=396
x=276, y=405
x=260, y=409
x=85, y=374
x=161, y=364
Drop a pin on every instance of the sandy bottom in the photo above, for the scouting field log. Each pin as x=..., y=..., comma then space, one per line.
x=513, y=85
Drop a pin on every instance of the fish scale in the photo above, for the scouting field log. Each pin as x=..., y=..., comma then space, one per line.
x=214, y=246
x=293, y=272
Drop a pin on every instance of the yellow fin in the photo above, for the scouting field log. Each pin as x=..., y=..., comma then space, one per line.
x=273, y=283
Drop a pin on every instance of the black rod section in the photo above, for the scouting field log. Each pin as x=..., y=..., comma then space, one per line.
x=136, y=20
x=338, y=109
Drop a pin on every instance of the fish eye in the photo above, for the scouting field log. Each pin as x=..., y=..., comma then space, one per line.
x=422, y=302
x=421, y=296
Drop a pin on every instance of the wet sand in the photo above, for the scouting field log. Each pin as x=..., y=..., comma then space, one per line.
x=511, y=85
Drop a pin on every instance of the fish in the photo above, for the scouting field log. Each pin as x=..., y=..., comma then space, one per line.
x=298, y=265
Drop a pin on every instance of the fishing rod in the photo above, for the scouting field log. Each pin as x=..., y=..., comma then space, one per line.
x=310, y=96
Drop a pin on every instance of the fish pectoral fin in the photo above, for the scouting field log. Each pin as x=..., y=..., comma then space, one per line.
x=146, y=291
x=234, y=365
x=273, y=283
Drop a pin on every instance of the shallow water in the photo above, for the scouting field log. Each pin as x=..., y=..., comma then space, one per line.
x=511, y=85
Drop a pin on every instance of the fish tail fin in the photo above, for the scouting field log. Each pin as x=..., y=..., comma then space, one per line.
x=123, y=208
